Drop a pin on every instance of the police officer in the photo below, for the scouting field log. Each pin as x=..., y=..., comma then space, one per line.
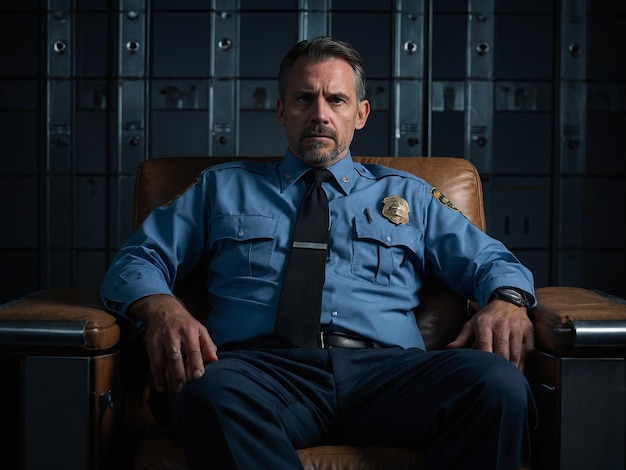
x=241, y=398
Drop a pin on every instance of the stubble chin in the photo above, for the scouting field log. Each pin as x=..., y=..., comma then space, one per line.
x=318, y=154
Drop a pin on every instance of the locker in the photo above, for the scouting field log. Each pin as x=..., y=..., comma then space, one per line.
x=523, y=47
x=20, y=273
x=592, y=216
x=90, y=268
x=272, y=5
x=180, y=44
x=59, y=231
x=258, y=95
x=518, y=211
x=180, y=5
x=365, y=5
x=131, y=126
x=447, y=134
x=604, y=34
x=278, y=31
x=522, y=143
x=94, y=94
x=90, y=221
x=60, y=125
x=450, y=35
x=179, y=94
x=179, y=133
x=522, y=127
x=374, y=138
x=19, y=132
x=355, y=28
x=60, y=268
x=19, y=195
x=92, y=33
x=261, y=133
x=92, y=142
x=448, y=118
x=25, y=26
x=605, y=132
x=120, y=209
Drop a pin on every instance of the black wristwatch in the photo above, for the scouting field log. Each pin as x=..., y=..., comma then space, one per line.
x=511, y=295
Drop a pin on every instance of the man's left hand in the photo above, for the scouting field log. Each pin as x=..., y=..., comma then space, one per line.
x=502, y=328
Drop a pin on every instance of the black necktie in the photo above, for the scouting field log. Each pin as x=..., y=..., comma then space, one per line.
x=299, y=307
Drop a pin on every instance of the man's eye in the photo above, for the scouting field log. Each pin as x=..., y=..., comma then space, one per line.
x=337, y=100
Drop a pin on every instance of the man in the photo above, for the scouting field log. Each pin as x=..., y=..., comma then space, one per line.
x=244, y=397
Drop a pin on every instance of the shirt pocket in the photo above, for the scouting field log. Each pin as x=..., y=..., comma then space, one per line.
x=382, y=252
x=243, y=245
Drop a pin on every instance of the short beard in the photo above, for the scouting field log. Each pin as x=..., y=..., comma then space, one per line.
x=317, y=156
x=314, y=154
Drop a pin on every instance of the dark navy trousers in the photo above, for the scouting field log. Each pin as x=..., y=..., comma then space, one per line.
x=252, y=409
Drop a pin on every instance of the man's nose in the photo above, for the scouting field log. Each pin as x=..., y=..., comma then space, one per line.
x=319, y=111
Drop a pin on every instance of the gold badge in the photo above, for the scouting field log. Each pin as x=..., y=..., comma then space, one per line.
x=396, y=209
x=434, y=192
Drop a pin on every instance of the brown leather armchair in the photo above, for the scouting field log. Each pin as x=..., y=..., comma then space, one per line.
x=124, y=434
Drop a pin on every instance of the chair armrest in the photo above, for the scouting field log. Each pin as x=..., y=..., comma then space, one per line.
x=59, y=318
x=570, y=319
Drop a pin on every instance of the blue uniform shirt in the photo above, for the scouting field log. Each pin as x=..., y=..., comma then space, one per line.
x=240, y=216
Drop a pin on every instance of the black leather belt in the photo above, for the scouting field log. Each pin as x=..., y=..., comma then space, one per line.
x=328, y=339
x=336, y=339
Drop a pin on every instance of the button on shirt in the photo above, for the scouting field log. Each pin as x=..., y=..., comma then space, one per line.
x=238, y=219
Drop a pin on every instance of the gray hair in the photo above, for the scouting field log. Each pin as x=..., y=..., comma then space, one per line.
x=320, y=49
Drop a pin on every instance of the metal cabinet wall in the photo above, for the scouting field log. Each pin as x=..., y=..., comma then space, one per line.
x=531, y=92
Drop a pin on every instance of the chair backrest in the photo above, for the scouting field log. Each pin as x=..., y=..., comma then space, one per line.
x=441, y=312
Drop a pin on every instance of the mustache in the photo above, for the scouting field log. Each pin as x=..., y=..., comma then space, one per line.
x=318, y=131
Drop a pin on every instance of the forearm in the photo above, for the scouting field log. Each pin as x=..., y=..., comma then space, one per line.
x=154, y=307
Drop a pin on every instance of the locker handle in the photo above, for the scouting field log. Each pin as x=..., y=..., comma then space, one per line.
x=59, y=47
x=482, y=48
x=132, y=46
x=575, y=49
x=225, y=44
x=410, y=47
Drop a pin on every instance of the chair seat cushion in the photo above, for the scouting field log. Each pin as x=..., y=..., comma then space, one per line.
x=161, y=450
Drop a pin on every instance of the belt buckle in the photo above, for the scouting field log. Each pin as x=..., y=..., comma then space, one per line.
x=323, y=339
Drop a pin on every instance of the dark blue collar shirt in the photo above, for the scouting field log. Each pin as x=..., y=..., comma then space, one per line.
x=238, y=218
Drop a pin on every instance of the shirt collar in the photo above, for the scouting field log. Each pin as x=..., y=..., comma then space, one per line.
x=292, y=169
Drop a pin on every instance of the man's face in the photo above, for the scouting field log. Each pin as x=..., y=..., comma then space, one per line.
x=321, y=111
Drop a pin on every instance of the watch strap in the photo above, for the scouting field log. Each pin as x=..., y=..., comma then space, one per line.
x=512, y=295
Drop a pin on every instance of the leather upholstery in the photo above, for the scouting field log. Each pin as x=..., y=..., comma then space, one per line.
x=559, y=306
x=101, y=330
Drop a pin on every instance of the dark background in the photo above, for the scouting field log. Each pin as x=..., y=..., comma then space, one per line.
x=532, y=92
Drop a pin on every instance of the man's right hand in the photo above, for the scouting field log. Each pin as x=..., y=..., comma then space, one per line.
x=178, y=345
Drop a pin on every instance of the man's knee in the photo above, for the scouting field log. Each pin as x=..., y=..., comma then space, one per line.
x=504, y=382
x=492, y=380
x=206, y=392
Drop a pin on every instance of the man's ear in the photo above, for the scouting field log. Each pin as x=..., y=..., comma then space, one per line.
x=362, y=113
x=280, y=111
